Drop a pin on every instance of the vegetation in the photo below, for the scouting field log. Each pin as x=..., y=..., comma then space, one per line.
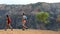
x=58, y=18
x=42, y=16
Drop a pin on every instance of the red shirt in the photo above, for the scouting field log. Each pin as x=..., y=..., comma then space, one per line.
x=8, y=20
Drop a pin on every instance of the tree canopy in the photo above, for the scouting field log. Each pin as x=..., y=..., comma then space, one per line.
x=42, y=16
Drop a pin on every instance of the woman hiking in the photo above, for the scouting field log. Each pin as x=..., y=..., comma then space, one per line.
x=8, y=23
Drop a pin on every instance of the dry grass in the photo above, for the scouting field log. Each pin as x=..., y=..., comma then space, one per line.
x=31, y=31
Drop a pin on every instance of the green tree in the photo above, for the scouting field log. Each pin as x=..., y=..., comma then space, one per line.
x=42, y=16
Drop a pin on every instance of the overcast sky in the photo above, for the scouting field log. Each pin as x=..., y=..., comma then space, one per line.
x=26, y=1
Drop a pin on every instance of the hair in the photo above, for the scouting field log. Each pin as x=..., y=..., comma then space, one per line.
x=7, y=16
x=23, y=14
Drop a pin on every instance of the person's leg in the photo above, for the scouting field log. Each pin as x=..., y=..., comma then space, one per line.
x=10, y=27
x=23, y=25
x=6, y=27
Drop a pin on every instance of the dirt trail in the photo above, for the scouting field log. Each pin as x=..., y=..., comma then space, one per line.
x=19, y=31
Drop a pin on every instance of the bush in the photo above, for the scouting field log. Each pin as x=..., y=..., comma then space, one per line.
x=42, y=16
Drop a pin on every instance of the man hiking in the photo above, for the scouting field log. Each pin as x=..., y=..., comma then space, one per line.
x=24, y=19
x=8, y=23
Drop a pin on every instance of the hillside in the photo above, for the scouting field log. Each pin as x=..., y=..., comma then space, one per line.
x=15, y=12
x=17, y=31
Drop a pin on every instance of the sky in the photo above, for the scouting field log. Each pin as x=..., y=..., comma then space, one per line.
x=26, y=1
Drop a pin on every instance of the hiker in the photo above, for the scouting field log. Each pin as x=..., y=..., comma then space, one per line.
x=8, y=22
x=24, y=19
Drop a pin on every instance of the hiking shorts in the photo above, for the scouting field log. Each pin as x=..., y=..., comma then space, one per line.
x=23, y=21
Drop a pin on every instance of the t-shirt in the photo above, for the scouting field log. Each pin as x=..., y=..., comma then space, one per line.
x=24, y=17
x=8, y=20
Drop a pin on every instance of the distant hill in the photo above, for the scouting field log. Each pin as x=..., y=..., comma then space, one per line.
x=15, y=12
